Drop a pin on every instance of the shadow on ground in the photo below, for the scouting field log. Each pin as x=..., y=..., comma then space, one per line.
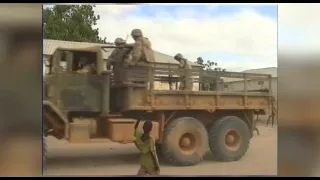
x=105, y=156
x=105, y=160
x=94, y=160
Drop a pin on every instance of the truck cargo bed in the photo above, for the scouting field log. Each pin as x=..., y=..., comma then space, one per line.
x=195, y=100
x=145, y=95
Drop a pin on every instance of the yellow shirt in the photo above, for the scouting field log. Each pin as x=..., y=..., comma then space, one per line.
x=148, y=155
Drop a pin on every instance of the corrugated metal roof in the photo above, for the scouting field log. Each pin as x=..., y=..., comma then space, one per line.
x=49, y=46
x=227, y=80
x=269, y=70
x=273, y=71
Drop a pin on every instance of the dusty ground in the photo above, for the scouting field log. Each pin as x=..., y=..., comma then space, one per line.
x=118, y=159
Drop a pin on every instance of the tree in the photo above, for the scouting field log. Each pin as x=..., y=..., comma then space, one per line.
x=210, y=82
x=72, y=23
x=209, y=65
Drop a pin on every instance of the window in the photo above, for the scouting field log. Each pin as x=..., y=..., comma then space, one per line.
x=63, y=63
x=226, y=86
x=260, y=82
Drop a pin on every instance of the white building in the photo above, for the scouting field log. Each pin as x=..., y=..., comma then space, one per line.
x=254, y=84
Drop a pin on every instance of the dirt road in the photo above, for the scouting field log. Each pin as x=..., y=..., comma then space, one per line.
x=118, y=159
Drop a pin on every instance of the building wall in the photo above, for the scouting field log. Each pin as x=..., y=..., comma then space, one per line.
x=252, y=85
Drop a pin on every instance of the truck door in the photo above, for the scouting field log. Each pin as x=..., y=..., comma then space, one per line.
x=77, y=92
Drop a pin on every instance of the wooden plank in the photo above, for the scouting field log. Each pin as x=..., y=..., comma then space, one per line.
x=209, y=93
x=185, y=107
x=141, y=74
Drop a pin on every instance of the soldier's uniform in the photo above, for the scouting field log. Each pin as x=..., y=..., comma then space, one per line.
x=184, y=66
x=141, y=50
x=116, y=58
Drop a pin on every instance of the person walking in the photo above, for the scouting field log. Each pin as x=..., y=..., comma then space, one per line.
x=149, y=163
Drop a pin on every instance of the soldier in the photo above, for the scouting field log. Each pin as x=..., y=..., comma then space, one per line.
x=116, y=58
x=149, y=163
x=141, y=49
x=85, y=66
x=273, y=112
x=183, y=65
x=113, y=57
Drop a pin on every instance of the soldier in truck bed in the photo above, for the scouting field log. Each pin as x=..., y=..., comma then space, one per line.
x=141, y=49
x=183, y=65
x=119, y=53
x=116, y=58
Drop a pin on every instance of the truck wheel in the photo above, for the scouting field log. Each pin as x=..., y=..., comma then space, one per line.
x=185, y=142
x=229, y=138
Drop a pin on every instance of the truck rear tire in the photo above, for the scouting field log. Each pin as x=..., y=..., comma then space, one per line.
x=229, y=138
x=185, y=142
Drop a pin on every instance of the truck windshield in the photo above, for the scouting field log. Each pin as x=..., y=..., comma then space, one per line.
x=48, y=64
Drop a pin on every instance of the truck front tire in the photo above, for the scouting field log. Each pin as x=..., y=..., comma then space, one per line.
x=229, y=138
x=185, y=142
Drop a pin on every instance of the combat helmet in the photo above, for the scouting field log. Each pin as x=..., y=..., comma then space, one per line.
x=119, y=41
x=136, y=32
x=178, y=56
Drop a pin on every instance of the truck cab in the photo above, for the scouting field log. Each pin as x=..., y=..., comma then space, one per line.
x=69, y=91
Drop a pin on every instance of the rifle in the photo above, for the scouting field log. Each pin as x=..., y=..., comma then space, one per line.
x=129, y=46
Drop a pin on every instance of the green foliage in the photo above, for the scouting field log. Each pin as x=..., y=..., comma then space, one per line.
x=209, y=65
x=72, y=23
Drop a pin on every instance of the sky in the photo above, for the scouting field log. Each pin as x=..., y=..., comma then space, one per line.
x=237, y=37
x=298, y=27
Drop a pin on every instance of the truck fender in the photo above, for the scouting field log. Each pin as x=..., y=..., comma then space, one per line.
x=55, y=117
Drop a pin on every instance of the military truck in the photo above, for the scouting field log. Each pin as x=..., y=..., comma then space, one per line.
x=95, y=107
